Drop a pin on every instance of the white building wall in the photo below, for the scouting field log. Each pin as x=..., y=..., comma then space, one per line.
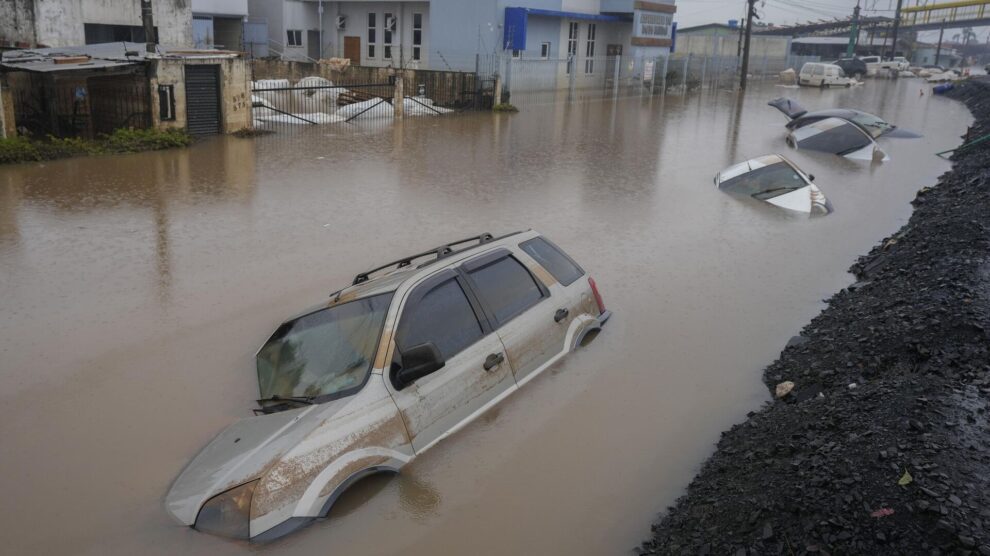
x=59, y=23
x=221, y=7
x=173, y=18
x=301, y=16
x=356, y=14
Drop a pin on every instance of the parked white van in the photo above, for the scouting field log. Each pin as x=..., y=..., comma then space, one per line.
x=872, y=64
x=823, y=75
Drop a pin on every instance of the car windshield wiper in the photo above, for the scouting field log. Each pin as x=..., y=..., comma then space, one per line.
x=308, y=400
x=774, y=190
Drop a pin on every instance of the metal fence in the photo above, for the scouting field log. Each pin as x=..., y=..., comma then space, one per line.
x=541, y=79
x=281, y=104
x=82, y=108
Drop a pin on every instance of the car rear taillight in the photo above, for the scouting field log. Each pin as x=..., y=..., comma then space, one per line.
x=598, y=296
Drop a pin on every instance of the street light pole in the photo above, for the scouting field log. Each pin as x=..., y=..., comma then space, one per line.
x=853, y=32
x=750, y=12
x=897, y=25
x=938, y=50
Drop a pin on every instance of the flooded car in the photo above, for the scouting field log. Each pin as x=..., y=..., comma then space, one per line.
x=842, y=131
x=408, y=354
x=776, y=180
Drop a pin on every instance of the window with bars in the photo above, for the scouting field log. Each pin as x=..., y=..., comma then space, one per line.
x=417, y=38
x=372, y=39
x=387, y=36
x=589, y=50
x=572, y=43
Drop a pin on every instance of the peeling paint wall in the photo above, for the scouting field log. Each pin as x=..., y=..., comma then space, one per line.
x=8, y=126
x=235, y=91
x=28, y=23
x=16, y=23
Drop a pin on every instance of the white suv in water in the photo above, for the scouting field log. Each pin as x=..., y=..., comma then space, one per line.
x=408, y=354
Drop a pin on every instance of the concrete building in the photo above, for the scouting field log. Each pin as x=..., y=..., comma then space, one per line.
x=718, y=39
x=924, y=55
x=450, y=34
x=219, y=23
x=59, y=23
x=86, y=91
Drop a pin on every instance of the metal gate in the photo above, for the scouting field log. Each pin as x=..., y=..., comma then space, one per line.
x=203, y=99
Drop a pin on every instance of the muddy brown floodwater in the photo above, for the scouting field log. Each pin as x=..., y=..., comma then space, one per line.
x=135, y=289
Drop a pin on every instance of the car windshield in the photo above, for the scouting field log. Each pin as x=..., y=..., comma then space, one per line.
x=323, y=353
x=766, y=182
x=872, y=124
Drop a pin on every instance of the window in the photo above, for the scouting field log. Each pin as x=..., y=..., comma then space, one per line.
x=589, y=50
x=545, y=50
x=387, y=36
x=444, y=316
x=417, y=36
x=550, y=257
x=507, y=287
x=166, y=103
x=293, y=37
x=95, y=33
x=572, y=44
x=372, y=39
x=516, y=53
x=325, y=353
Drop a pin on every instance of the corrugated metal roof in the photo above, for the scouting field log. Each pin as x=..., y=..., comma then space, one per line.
x=99, y=56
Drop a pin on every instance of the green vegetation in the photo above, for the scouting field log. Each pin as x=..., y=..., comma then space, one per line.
x=25, y=149
x=504, y=107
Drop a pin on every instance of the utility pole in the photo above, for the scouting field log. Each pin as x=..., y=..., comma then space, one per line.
x=750, y=13
x=897, y=25
x=148, y=18
x=853, y=32
x=938, y=50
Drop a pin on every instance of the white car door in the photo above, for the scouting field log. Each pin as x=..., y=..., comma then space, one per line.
x=443, y=311
x=531, y=320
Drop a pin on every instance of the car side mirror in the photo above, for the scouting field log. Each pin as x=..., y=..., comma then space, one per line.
x=811, y=177
x=417, y=362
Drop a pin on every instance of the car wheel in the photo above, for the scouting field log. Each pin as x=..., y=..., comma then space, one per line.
x=848, y=84
x=827, y=85
x=822, y=85
x=858, y=75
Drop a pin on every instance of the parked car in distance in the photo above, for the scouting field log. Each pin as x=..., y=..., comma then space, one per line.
x=872, y=64
x=853, y=67
x=815, y=74
x=898, y=63
x=406, y=355
x=776, y=180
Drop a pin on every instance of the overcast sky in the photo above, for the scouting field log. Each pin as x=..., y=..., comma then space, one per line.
x=786, y=12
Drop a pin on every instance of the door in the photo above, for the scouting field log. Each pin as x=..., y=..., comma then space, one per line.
x=352, y=50
x=313, y=45
x=203, y=99
x=522, y=310
x=442, y=311
x=613, y=53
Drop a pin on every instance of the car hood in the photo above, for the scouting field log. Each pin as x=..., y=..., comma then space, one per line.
x=241, y=453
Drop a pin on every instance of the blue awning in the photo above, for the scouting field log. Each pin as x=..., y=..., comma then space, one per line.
x=514, y=31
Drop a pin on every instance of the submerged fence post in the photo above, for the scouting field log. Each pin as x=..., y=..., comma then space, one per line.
x=497, y=96
x=571, y=77
x=687, y=62
x=615, y=76
x=704, y=70
x=663, y=84
x=398, y=97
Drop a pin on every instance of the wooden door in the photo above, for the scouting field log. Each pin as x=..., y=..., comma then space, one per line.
x=352, y=49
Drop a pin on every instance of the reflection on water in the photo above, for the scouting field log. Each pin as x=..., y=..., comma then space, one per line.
x=134, y=291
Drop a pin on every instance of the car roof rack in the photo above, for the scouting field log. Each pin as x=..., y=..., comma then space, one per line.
x=440, y=252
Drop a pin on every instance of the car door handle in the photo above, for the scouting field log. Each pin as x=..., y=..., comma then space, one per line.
x=493, y=360
x=560, y=315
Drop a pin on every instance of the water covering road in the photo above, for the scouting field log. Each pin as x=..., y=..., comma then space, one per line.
x=135, y=289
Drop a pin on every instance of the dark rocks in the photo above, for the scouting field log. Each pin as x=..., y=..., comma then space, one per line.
x=821, y=469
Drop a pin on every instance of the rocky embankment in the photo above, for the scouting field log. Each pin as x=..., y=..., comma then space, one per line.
x=880, y=441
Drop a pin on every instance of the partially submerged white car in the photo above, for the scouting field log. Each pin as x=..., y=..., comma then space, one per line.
x=842, y=131
x=774, y=179
x=408, y=354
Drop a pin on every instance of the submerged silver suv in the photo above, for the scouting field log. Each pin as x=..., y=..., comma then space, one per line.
x=408, y=354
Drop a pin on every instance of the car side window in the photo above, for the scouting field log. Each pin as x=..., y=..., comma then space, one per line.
x=550, y=257
x=444, y=316
x=506, y=287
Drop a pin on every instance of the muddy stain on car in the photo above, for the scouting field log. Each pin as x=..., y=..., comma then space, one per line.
x=135, y=291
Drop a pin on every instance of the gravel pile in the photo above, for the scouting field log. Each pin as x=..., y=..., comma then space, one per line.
x=878, y=441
